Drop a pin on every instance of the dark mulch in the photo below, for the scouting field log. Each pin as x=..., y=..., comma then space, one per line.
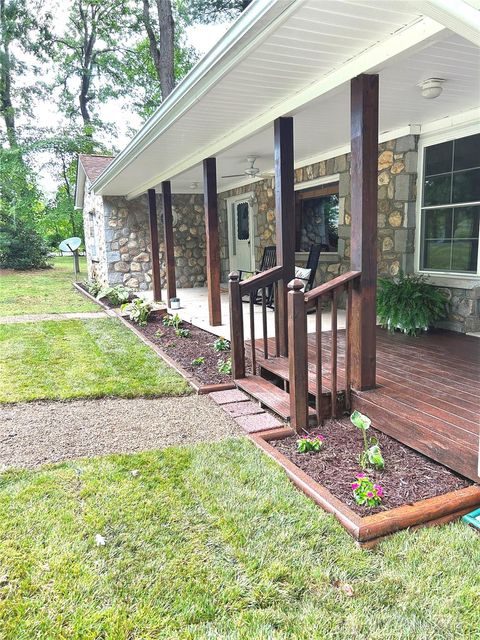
x=185, y=350
x=408, y=476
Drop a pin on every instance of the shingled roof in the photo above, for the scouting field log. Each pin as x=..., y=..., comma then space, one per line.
x=94, y=165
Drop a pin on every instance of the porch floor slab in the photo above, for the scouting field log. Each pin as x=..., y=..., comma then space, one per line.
x=194, y=309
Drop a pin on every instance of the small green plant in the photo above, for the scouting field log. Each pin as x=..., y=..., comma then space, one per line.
x=310, y=444
x=172, y=321
x=225, y=366
x=182, y=333
x=221, y=344
x=93, y=287
x=366, y=492
x=371, y=455
x=158, y=333
x=138, y=311
x=409, y=303
x=198, y=361
x=116, y=295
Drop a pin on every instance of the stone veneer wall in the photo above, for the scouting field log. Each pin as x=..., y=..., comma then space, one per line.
x=94, y=230
x=125, y=257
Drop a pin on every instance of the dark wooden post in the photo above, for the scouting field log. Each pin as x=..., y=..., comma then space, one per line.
x=152, y=216
x=168, y=240
x=237, y=344
x=297, y=359
x=285, y=218
x=364, y=195
x=213, y=244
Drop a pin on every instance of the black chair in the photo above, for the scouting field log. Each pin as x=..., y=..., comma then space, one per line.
x=268, y=261
x=312, y=264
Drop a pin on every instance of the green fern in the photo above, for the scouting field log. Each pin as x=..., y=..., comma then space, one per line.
x=409, y=303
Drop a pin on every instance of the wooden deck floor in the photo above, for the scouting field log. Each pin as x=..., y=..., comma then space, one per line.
x=428, y=393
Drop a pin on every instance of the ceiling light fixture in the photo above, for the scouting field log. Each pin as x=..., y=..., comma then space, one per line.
x=431, y=87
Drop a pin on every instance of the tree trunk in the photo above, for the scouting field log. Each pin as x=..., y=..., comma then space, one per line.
x=6, y=106
x=166, y=47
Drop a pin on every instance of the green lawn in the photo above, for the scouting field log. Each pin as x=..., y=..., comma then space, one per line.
x=43, y=291
x=80, y=358
x=213, y=542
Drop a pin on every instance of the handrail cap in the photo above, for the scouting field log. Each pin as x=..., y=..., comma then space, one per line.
x=296, y=284
x=233, y=276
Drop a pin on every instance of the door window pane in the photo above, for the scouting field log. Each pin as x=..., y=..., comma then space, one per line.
x=467, y=153
x=243, y=226
x=438, y=158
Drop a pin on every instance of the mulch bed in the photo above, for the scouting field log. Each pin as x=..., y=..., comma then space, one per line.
x=185, y=350
x=407, y=478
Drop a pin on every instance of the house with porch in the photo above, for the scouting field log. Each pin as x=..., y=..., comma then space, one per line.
x=350, y=125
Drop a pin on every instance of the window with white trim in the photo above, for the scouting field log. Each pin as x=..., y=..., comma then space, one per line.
x=450, y=207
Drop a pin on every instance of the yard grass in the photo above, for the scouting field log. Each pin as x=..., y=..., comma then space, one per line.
x=79, y=359
x=43, y=291
x=213, y=542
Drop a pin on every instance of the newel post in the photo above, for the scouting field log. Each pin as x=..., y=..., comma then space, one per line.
x=297, y=360
x=237, y=344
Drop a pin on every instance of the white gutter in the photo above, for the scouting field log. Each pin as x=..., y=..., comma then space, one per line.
x=236, y=43
x=456, y=15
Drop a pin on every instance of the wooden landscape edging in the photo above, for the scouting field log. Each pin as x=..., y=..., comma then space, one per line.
x=369, y=530
x=201, y=389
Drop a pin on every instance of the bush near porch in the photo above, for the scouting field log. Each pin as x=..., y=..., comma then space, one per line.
x=229, y=550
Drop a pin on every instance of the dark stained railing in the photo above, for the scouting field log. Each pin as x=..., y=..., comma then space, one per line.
x=299, y=303
x=262, y=289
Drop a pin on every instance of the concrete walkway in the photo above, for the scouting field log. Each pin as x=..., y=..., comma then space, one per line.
x=41, y=317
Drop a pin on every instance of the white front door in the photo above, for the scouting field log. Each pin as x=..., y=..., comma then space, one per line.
x=241, y=238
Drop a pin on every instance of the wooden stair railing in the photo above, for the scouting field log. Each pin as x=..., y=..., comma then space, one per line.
x=298, y=305
x=238, y=290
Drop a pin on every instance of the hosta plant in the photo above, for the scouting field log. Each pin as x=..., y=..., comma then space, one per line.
x=225, y=366
x=182, y=333
x=221, y=344
x=116, y=295
x=310, y=444
x=366, y=492
x=93, y=287
x=138, y=311
x=371, y=456
x=172, y=321
x=409, y=303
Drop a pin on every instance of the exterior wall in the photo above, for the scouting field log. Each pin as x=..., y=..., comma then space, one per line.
x=123, y=230
x=94, y=230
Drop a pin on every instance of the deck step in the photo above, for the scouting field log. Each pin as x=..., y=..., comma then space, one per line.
x=279, y=367
x=268, y=395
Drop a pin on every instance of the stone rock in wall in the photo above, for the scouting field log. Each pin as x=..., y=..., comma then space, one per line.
x=122, y=267
x=395, y=219
x=142, y=257
x=385, y=160
x=397, y=167
x=387, y=244
x=383, y=178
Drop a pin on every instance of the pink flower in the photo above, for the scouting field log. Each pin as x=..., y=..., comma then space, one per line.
x=361, y=475
x=370, y=494
x=378, y=489
x=319, y=437
x=355, y=485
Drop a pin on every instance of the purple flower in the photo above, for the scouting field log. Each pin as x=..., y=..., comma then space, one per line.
x=370, y=494
x=355, y=485
x=378, y=489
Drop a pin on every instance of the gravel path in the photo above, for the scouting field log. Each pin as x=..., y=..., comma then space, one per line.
x=35, y=433
x=41, y=317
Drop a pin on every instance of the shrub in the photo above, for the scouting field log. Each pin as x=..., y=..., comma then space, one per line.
x=21, y=247
x=138, y=311
x=409, y=303
x=310, y=444
x=116, y=295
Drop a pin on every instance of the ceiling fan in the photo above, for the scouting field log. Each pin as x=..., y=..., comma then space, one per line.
x=252, y=171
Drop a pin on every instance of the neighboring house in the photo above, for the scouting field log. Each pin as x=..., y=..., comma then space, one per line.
x=296, y=58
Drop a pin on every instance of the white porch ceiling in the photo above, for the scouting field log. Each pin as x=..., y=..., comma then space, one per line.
x=311, y=42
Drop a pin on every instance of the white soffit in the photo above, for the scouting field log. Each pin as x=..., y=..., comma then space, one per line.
x=299, y=67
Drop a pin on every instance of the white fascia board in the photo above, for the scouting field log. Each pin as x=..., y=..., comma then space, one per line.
x=405, y=40
x=456, y=15
x=260, y=18
x=79, y=185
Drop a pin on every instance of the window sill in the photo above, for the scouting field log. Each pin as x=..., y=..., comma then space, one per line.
x=454, y=281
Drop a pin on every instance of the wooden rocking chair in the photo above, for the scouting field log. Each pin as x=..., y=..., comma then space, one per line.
x=269, y=260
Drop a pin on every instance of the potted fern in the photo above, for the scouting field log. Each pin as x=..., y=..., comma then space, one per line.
x=409, y=303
